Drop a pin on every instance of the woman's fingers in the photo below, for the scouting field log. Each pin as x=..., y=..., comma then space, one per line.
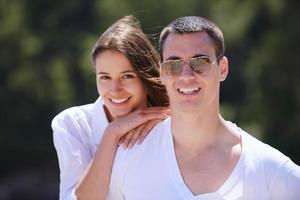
x=121, y=141
x=133, y=120
x=126, y=139
x=157, y=108
x=135, y=136
x=141, y=116
x=138, y=134
x=147, y=128
x=130, y=138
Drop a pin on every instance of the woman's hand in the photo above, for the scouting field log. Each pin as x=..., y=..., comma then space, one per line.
x=137, y=135
x=134, y=127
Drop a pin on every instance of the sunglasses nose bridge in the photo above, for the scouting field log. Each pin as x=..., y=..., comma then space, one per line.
x=186, y=62
x=186, y=69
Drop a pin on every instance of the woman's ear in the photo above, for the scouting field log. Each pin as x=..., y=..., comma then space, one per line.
x=224, y=68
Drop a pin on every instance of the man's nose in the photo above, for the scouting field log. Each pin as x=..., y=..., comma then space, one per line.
x=186, y=72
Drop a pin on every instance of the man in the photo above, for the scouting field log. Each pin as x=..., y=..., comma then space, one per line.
x=196, y=154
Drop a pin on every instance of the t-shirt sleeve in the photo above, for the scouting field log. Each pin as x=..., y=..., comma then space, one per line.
x=73, y=153
x=286, y=182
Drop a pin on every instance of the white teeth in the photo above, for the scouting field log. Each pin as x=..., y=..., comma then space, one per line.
x=119, y=100
x=188, y=90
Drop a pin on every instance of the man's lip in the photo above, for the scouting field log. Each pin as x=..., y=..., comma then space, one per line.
x=189, y=91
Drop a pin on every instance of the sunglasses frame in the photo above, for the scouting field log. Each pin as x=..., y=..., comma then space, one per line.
x=180, y=62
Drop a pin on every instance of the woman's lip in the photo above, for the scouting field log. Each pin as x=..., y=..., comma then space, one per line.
x=119, y=100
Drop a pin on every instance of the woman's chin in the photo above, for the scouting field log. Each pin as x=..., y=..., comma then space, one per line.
x=117, y=115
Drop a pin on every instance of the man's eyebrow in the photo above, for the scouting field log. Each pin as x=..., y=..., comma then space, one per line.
x=173, y=58
x=200, y=54
x=178, y=58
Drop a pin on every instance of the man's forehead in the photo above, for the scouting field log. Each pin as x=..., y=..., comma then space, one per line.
x=187, y=45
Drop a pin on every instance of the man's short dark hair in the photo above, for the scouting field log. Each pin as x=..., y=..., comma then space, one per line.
x=192, y=24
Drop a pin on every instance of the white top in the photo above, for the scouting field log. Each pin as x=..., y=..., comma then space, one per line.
x=76, y=133
x=150, y=172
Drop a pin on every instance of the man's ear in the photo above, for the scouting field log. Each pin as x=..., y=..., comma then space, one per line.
x=224, y=68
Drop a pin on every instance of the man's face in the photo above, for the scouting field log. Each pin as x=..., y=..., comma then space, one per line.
x=188, y=90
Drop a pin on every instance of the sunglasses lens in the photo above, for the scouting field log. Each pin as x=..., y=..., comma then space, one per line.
x=176, y=67
x=200, y=64
x=171, y=67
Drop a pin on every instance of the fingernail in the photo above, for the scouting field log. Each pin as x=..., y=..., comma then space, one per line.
x=130, y=146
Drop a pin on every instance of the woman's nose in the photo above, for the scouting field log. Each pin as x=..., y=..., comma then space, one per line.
x=116, y=85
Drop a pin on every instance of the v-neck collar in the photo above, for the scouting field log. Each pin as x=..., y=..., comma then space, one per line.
x=231, y=189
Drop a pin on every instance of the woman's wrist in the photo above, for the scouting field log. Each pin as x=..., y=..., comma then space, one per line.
x=111, y=134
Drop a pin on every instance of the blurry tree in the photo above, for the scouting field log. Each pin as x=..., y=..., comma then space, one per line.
x=272, y=68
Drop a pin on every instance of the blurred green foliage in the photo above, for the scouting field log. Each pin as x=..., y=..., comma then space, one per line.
x=45, y=68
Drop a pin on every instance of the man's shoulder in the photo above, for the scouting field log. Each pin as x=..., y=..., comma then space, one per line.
x=280, y=174
x=263, y=155
x=156, y=135
x=151, y=145
x=135, y=162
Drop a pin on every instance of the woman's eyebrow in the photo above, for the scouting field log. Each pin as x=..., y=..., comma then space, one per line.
x=122, y=72
x=127, y=71
x=105, y=73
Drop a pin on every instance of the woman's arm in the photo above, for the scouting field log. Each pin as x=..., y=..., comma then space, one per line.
x=94, y=183
x=71, y=142
x=95, y=180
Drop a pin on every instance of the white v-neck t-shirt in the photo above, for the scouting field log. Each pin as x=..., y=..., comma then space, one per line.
x=150, y=172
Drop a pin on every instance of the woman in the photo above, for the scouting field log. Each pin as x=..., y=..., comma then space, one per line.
x=87, y=137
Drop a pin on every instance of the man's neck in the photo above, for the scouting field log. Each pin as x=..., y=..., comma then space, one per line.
x=197, y=130
x=206, y=147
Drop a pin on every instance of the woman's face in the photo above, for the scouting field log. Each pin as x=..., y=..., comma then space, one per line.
x=122, y=91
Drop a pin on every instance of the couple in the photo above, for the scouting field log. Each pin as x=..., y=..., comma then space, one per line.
x=187, y=151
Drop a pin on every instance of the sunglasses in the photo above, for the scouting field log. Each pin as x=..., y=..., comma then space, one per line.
x=198, y=64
